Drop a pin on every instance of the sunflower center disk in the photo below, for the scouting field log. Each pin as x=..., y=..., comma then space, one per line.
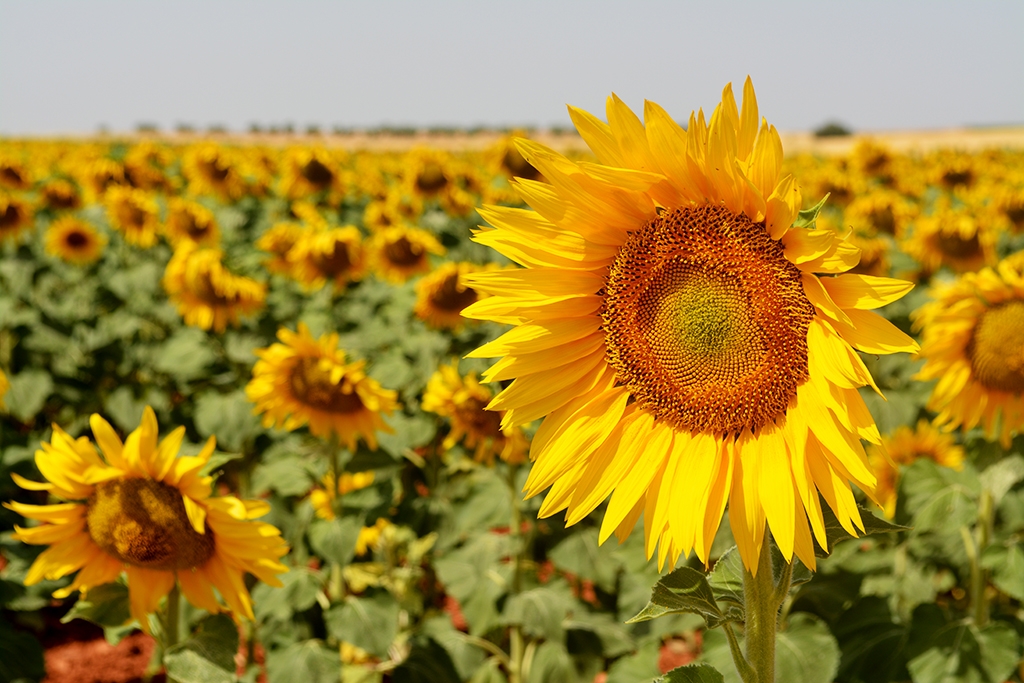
x=312, y=385
x=335, y=262
x=143, y=522
x=995, y=349
x=402, y=252
x=480, y=422
x=449, y=296
x=706, y=321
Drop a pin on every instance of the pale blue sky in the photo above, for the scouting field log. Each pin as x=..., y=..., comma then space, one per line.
x=70, y=66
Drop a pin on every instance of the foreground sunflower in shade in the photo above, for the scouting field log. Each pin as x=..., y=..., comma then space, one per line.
x=689, y=345
x=308, y=381
x=145, y=511
x=972, y=336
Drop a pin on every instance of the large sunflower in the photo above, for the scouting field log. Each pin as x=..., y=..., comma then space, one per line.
x=206, y=293
x=143, y=510
x=75, y=241
x=689, y=345
x=307, y=381
x=972, y=343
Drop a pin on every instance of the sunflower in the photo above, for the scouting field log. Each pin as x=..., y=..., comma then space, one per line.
x=145, y=511
x=463, y=400
x=443, y=294
x=399, y=253
x=688, y=344
x=187, y=220
x=144, y=165
x=959, y=238
x=322, y=499
x=307, y=381
x=75, y=241
x=880, y=212
x=99, y=175
x=15, y=217
x=874, y=160
x=505, y=159
x=61, y=195
x=14, y=174
x=133, y=213
x=904, y=447
x=213, y=169
x=327, y=254
x=971, y=342
x=1009, y=204
x=308, y=170
x=206, y=294
x=278, y=241
x=428, y=173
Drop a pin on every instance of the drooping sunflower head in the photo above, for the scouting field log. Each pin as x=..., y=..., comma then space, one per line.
x=690, y=342
x=188, y=220
x=206, y=293
x=971, y=343
x=903, y=447
x=306, y=381
x=142, y=509
x=399, y=253
x=134, y=214
x=463, y=400
x=15, y=217
x=75, y=241
x=443, y=294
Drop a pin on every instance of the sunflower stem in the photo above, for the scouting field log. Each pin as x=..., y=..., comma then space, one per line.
x=172, y=618
x=746, y=672
x=516, y=645
x=974, y=546
x=761, y=605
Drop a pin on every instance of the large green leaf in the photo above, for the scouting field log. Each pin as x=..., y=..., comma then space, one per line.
x=208, y=656
x=540, y=611
x=683, y=590
x=28, y=393
x=335, y=540
x=301, y=586
x=1006, y=562
x=475, y=575
x=369, y=623
x=304, y=662
x=228, y=417
x=106, y=605
x=185, y=356
x=834, y=531
x=940, y=499
x=21, y=656
x=427, y=662
x=694, y=673
x=805, y=651
x=962, y=653
x=581, y=555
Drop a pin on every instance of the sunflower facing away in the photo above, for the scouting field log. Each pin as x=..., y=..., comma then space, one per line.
x=145, y=511
x=75, y=241
x=307, y=381
x=972, y=336
x=689, y=345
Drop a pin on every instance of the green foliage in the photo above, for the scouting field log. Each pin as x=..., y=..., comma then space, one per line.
x=208, y=656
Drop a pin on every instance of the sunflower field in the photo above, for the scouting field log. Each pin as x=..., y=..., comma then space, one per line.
x=250, y=426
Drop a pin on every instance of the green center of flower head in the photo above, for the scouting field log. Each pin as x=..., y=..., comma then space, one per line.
x=706, y=321
x=311, y=384
x=143, y=522
x=996, y=349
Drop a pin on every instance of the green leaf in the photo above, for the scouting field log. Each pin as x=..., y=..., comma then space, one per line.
x=540, y=611
x=229, y=417
x=807, y=217
x=489, y=672
x=961, y=653
x=123, y=408
x=185, y=356
x=639, y=666
x=305, y=662
x=208, y=656
x=614, y=636
x=872, y=641
x=409, y=432
x=551, y=663
x=21, y=655
x=1002, y=476
x=580, y=554
x=694, y=673
x=427, y=662
x=466, y=656
x=475, y=575
x=805, y=651
x=289, y=476
x=684, y=590
x=335, y=540
x=370, y=623
x=1006, y=562
x=28, y=393
x=298, y=593
x=940, y=498
x=106, y=605
x=834, y=531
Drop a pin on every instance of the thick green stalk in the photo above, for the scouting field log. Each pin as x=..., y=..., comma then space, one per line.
x=516, y=644
x=172, y=619
x=761, y=598
x=975, y=545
